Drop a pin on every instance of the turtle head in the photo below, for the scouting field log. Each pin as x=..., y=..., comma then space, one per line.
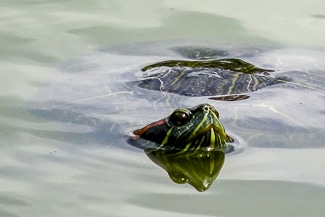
x=186, y=129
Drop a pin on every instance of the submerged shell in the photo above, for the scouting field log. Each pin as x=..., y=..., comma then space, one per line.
x=206, y=78
x=206, y=72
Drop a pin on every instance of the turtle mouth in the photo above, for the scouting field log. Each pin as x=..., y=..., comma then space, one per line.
x=210, y=132
x=211, y=137
x=209, y=128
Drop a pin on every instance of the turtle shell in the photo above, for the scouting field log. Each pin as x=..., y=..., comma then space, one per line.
x=206, y=78
x=208, y=73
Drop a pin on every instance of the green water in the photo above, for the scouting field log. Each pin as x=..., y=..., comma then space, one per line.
x=76, y=52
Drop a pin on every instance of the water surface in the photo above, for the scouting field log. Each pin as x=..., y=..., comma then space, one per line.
x=65, y=111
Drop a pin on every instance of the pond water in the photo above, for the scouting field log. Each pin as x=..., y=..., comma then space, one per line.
x=66, y=109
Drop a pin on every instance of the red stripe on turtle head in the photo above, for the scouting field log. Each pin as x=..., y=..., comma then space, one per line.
x=139, y=132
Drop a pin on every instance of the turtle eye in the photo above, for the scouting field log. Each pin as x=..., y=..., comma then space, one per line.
x=180, y=117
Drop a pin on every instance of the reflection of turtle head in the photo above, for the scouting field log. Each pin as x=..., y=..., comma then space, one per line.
x=186, y=129
x=198, y=169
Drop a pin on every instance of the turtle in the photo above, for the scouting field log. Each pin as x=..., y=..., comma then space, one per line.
x=172, y=142
x=86, y=99
x=203, y=76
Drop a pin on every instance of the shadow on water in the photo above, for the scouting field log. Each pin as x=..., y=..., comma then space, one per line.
x=271, y=133
x=61, y=123
x=80, y=129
